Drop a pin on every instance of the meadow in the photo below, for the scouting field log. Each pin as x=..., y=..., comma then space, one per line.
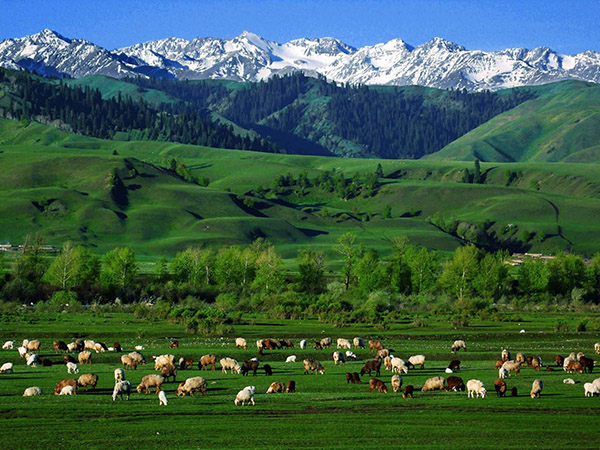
x=325, y=412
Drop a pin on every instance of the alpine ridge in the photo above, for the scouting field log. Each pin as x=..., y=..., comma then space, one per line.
x=249, y=57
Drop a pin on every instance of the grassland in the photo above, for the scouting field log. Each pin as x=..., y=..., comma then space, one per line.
x=324, y=413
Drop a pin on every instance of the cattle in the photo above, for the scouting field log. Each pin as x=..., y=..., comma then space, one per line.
x=371, y=366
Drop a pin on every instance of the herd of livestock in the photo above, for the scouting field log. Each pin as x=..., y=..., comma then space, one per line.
x=167, y=367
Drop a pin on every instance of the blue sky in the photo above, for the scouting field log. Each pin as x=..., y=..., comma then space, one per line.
x=565, y=26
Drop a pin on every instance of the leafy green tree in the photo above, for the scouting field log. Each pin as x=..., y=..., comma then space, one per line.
x=593, y=277
x=64, y=271
x=119, y=268
x=229, y=269
x=379, y=171
x=162, y=270
x=477, y=172
x=193, y=266
x=387, y=212
x=423, y=267
x=459, y=272
x=29, y=264
x=399, y=272
x=311, y=271
x=270, y=275
x=566, y=272
x=369, y=272
x=533, y=276
x=347, y=249
x=490, y=281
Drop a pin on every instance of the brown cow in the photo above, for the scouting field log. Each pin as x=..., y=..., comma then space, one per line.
x=207, y=360
x=291, y=387
x=66, y=382
x=375, y=345
x=500, y=387
x=408, y=391
x=60, y=346
x=454, y=365
x=455, y=384
x=370, y=366
x=374, y=383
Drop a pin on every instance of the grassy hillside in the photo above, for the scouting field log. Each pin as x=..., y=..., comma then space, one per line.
x=55, y=183
x=561, y=124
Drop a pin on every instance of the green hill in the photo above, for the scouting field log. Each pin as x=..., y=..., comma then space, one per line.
x=63, y=186
x=561, y=124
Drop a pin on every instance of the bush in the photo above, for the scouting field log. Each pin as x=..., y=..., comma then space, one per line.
x=62, y=300
x=562, y=327
x=419, y=322
x=582, y=326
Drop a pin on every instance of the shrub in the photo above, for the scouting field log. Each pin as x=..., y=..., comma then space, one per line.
x=562, y=327
x=419, y=322
x=582, y=326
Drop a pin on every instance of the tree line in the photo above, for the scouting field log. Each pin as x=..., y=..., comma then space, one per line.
x=365, y=287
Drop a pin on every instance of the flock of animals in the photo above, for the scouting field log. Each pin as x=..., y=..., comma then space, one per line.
x=167, y=368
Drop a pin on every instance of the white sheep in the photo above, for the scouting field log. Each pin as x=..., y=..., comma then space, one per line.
x=567, y=360
x=448, y=370
x=89, y=344
x=33, y=359
x=398, y=365
x=7, y=367
x=67, y=390
x=417, y=360
x=162, y=399
x=502, y=373
x=230, y=364
x=72, y=368
x=8, y=345
x=396, y=382
x=22, y=352
x=32, y=391
x=475, y=388
x=303, y=344
x=291, y=359
x=192, y=385
x=591, y=390
x=140, y=347
x=505, y=355
x=72, y=346
x=596, y=347
x=433, y=384
x=163, y=360
x=338, y=357
x=350, y=355
x=343, y=343
x=259, y=344
x=245, y=395
x=358, y=342
x=512, y=366
x=98, y=347
x=122, y=388
x=457, y=345
x=569, y=381
x=241, y=343
x=536, y=388
x=119, y=375
x=596, y=383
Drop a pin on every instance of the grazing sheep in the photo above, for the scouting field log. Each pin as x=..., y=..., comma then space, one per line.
x=500, y=387
x=286, y=343
x=60, y=346
x=291, y=387
x=348, y=378
x=122, y=387
x=119, y=375
x=69, y=359
x=498, y=364
x=567, y=361
x=383, y=353
x=168, y=371
x=128, y=362
x=162, y=399
x=84, y=357
x=22, y=352
x=502, y=373
x=536, y=363
x=513, y=391
x=276, y=387
x=326, y=342
x=8, y=345
x=139, y=347
x=529, y=361
x=66, y=382
x=512, y=366
x=370, y=366
x=245, y=395
x=259, y=345
x=355, y=378
x=454, y=365
x=417, y=360
x=559, y=360
x=67, y=390
x=268, y=370
x=163, y=360
x=569, y=381
x=343, y=343
x=32, y=391
x=587, y=364
x=398, y=365
x=241, y=343
x=192, y=385
x=448, y=370
x=358, y=342
x=549, y=369
x=89, y=344
x=206, y=361
x=7, y=367
x=291, y=359
x=174, y=344
x=396, y=382
x=150, y=381
x=596, y=382
x=100, y=347
x=72, y=346
x=117, y=347
x=185, y=363
x=579, y=355
x=505, y=355
x=317, y=346
x=536, y=388
x=138, y=358
x=458, y=344
x=303, y=344
x=596, y=347
x=229, y=364
x=72, y=368
x=314, y=366
x=86, y=380
x=574, y=366
x=591, y=390
x=32, y=346
x=375, y=384
x=338, y=357
x=433, y=384
x=455, y=384
x=475, y=388
x=375, y=345
x=408, y=391
x=249, y=366
x=350, y=355
x=387, y=363
x=521, y=358
x=33, y=359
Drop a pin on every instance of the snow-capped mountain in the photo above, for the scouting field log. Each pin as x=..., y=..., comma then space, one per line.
x=248, y=57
